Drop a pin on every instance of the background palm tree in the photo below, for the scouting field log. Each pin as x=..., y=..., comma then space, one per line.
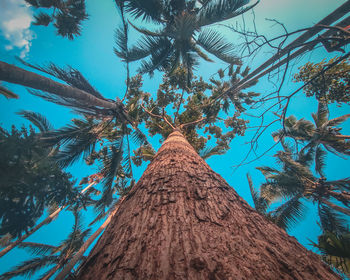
x=183, y=33
x=324, y=133
x=296, y=182
x=66, y=15
x=30, y=179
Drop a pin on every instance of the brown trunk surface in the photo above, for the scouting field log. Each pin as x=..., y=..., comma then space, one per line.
x=183, y=221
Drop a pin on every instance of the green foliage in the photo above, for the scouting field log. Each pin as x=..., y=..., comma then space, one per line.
x=314, y=138
x=180, y=37
x=30, y=180
x=335, y=250
x=194, y=108
x=294, y=182
x=66, y=15
x=332, y=86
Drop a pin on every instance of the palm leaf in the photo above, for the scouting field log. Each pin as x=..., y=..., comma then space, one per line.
x=335, y=250
x=75, y=239
x=38, y=248
x=121, y=40
x=260, y=203
x=214, y=43
x=336, y=121
x=37, y=119
x=207, y=152
x=112, y=163
x=289, y=213
x=331, y=220
x=215, y=11
x=146, y=46
x=69, y=75
x=159, y=33
x=342, y=184
x=139, y=138
x=30, y=267
x=68, y=102
x=146, y=10
x=160, y=58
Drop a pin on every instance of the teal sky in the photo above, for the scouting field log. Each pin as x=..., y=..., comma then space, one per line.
x=92, y=54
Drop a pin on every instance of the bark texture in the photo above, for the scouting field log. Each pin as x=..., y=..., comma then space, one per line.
x=183, y=221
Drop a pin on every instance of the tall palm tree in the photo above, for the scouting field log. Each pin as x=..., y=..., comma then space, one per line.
x=296, y=182
x=285, y=216
x=183, y=33
x=323, y=134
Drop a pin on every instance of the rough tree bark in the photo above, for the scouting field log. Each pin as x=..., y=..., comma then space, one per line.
x=183, y=221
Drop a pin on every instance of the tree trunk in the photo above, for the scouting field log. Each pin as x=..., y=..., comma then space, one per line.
x=13, y=74
x=183, y=221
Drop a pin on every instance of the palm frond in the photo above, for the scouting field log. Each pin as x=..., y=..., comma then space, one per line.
x=342, y=184
x=38, y=248
x=121, y=40
x=37, y=119
x=30, y=267
x=146, y=10
x=75, y=140
x=331, y=220
x=336, y=121
x=294, y=166
x=68, y=102
x=5, y=240
x=214, y=43
x=71, y=76
x=289, y=213
x=207, y=152
x=139, y=138
x=335, y=250
x=267, y=171
x=112, y=163
x=160, y=58
x=147, y=46
x=215, y=11
x=76, y=237
x=158, y=33
x=260, y=203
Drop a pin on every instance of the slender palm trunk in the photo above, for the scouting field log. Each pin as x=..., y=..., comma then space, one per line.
x=87, y=244
x=336, y=207
x=183, y=221
x=47, y=220
x=13, y=74
x=52, y=272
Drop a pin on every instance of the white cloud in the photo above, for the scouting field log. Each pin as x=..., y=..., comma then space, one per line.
x=15, y=20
